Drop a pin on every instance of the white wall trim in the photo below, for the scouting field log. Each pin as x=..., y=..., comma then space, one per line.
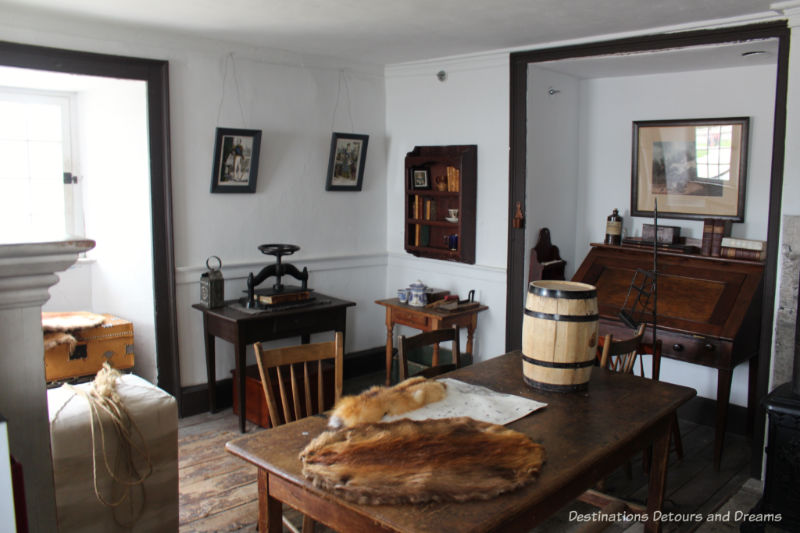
x=461, y=270
x=791, y=9
x=498, y=57
x=191, y=274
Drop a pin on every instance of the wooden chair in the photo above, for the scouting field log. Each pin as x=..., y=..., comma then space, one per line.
x=621, y=356
x=545, y=261
x=406, y=344
x=287, y=365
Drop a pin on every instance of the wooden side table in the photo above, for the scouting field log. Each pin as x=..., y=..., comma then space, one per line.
x=426, y=319
x=241, y=328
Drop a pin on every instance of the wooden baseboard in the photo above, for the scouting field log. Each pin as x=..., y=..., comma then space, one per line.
x=194, y=399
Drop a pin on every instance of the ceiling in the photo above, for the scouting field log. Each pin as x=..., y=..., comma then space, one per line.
x=393, y=31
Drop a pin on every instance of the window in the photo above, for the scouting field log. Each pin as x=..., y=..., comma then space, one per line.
x=37, y=165
x=713, y=145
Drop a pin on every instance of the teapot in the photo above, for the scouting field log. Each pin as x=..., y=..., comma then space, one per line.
x=418, y=296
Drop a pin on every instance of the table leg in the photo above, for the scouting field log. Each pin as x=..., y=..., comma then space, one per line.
x=435, y=324
x=658, y=477
x=723, y=397
x=389, y=347
x=211, y=368
x=269, y=509
x=241, y=364
x=471, y=333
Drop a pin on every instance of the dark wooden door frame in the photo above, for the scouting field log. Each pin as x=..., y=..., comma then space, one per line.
x=519, y=62
x=155, y=73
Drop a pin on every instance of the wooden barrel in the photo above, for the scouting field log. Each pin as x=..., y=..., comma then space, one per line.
x=559, y=335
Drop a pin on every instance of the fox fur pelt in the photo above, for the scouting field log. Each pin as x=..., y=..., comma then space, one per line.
x=373, y=404
x=451, y=459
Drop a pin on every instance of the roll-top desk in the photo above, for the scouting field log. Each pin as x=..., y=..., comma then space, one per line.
x=708, y=311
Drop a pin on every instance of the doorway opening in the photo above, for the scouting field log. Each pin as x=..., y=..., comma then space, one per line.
x=520, y=63
x=154, y=74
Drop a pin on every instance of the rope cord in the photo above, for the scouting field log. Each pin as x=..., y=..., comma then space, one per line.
x=103, y=398
x=235, y=82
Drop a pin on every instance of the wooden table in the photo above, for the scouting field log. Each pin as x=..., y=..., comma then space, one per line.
x=426, y=319
x=241, y=328
x=584, y=442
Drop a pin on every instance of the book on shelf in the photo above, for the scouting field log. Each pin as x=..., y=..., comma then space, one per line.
x=722, y=228
x=708, y=231
x=453, y=180
x=744, y=244
x=743, y=253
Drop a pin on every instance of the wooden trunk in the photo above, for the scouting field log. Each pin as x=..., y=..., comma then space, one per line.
x=256, y=410
x=112, y=342
x=559, y=335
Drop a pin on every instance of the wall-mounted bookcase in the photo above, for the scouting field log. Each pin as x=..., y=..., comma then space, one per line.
x=439, y=179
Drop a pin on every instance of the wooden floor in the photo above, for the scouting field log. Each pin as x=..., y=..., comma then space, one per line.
x=218, y=491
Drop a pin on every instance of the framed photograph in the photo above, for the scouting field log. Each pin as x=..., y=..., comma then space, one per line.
x=236, y=160
x=346, y=162
x=420, y=178
x=695, y=168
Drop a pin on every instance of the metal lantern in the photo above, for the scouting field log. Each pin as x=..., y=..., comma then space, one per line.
x=212, y=285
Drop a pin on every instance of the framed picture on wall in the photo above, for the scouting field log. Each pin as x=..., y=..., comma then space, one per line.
x=346, y=162
x=695, y=168
x=235, y=160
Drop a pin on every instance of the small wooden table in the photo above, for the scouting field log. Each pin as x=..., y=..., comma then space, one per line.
x=241, y=328
x=426, y=319
x=584, y=442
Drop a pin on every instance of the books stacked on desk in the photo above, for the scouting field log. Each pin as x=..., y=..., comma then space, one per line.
x=714, y=230
x=681, y=247
x=289, y=295
x=743, y=249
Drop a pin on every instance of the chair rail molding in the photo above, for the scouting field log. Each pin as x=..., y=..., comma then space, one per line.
x=27, y=270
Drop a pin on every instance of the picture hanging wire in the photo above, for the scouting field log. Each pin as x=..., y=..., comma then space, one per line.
x=236, y=83
x=342, y=79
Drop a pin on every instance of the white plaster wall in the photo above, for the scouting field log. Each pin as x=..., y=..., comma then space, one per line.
x=470, y=107
x=551, y=190
x=297, y=102
x=608, y=108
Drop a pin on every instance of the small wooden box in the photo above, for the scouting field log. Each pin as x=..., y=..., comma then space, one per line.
x=257, y=410
x=112, y=342
x=666, y=234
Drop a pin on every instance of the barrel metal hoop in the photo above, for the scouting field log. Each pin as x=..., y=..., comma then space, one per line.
x=562, y=318
x=561, y=294
x=549, y=364
x=555, y=388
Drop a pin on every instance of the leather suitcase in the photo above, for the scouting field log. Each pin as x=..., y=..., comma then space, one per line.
x=111, y=341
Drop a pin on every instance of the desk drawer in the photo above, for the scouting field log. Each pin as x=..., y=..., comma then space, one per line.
x=414, y=320
x=699, y=350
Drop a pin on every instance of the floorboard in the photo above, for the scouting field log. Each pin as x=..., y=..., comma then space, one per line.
x=218, y=491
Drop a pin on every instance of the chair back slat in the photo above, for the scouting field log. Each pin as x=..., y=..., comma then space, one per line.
x=280, y=358
x=295, y=393
x=620, y=355
x=287, y=416
x=266, y=383
x=405, y=345
x=307, y=390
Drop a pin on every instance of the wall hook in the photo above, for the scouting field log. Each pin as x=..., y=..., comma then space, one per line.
x=552, y=91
